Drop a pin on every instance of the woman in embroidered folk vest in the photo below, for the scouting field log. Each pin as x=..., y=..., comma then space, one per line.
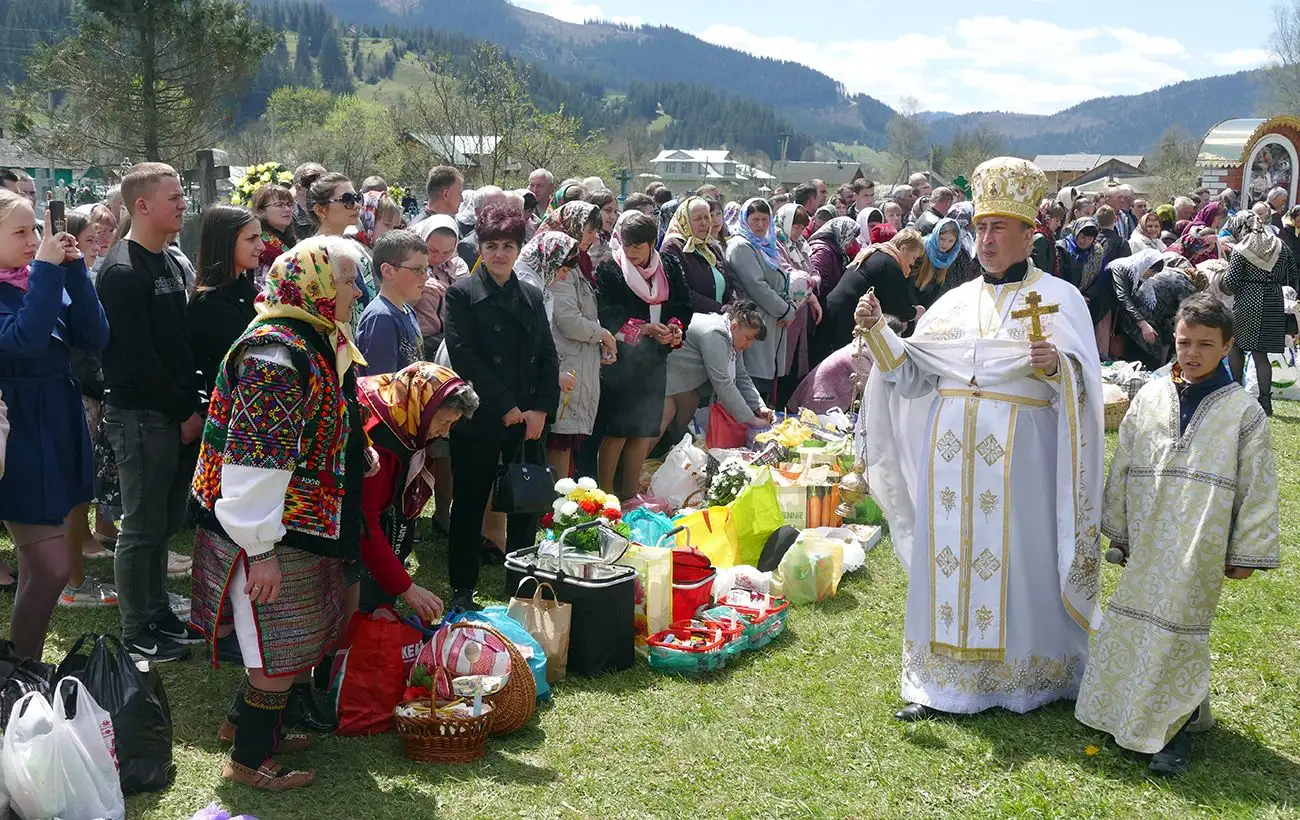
x=277, y=497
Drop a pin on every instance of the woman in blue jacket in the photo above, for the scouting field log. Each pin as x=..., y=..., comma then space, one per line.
x=48, y=308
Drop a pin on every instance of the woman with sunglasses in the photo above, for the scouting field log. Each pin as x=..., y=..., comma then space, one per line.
x=334, y=206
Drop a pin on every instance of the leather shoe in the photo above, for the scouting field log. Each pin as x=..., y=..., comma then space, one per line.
x=303, y=713
x=464, y=600
x=913, y=712
x=271, y=777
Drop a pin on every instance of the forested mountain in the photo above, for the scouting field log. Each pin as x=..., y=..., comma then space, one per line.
x=1130, y=124
x=23, y=24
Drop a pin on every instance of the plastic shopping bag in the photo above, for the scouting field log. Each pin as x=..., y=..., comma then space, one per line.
x=682, y=473
x=134, y=698
x=88, y=756
x=372, y=678
x=648, y=527
x=811, y=569
x=724, y=430
x=757, y=514
x=712, y=532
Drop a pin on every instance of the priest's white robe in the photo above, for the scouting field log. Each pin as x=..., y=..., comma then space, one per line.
x=1187, y=504
x=989, y=475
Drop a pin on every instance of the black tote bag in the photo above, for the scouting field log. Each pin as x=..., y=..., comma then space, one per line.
x=523, y=488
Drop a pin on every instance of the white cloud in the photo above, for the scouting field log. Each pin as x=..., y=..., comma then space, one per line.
x=986, y=63
x=1241, y=58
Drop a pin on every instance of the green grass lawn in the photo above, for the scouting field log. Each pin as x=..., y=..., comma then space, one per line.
x=802, y=728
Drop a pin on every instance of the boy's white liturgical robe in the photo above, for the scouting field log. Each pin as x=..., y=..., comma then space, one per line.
x=990, y=475
x=1187, y=505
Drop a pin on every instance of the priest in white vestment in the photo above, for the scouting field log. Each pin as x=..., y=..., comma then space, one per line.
x=985, y=450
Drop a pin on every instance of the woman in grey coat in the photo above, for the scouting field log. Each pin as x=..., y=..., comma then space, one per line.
x=754, y=260
x=709, y=363
x=551, y=258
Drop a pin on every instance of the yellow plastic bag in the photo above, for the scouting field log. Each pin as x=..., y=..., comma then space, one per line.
x=653, y=605
x=757, y=514
x=712, y=532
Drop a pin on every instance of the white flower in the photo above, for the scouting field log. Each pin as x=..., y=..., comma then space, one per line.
x=569, y=508
x=587, y=483
x=559, y=502
x=565, y=486
x=611, y=503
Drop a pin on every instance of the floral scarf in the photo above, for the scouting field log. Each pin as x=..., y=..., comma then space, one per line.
x=570, y=218
x=938, y=259
x=406, y=402
x=546, y=253
x=301, y=285
x=650, y=284
x=1091, y=257
x=680, y=227
x=840, y=232
x=794, y=248
x=366, y=217
x=766, y=246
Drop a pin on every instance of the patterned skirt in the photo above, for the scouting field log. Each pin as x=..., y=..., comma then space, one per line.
x=296, y=631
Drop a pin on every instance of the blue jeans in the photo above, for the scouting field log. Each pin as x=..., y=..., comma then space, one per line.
x=154, y=487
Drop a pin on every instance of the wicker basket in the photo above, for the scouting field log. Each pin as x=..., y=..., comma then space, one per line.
x=1115, y=411
x=514, y=705
x=444, y=739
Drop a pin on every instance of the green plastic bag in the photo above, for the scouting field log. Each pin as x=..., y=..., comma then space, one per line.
x=757, y=515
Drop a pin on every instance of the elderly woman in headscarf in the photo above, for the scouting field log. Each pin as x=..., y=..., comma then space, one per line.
x=580, y=220
x=963, y=213
x=1168, y=218
x=1149, y=290
x=272, y=537
x=1046, y=226
x=1199, y=241
x=1146, y=235
x=1259, y=267
x=754, y=257
x=581, y=343
x=689, y=241
x=1079, y=256
x=934, y=275
x=833, y=246
x=798, y=263
x=404, y=414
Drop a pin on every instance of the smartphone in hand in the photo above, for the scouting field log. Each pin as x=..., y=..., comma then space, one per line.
x=58, y=216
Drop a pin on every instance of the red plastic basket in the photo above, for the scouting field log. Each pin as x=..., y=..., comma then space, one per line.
x=693, y=576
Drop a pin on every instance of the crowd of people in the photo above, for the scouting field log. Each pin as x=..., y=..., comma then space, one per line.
x=334, y=359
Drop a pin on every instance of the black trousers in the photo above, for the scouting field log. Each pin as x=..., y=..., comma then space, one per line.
x=474, y=466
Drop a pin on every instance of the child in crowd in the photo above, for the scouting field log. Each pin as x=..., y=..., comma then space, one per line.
x=1186, y=509
x=389, y=333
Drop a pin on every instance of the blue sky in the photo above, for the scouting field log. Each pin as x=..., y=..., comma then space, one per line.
x=1029, y=56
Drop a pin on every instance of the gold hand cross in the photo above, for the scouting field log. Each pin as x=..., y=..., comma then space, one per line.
x=1035, y=313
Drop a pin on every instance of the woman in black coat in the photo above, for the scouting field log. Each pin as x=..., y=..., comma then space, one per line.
x=885, y=267
x=499, y=340
x=230, y=249
x=645, y=302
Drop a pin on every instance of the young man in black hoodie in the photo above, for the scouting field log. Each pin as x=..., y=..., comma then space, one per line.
x=151, y=406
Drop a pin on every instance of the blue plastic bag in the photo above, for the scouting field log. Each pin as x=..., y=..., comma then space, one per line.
x=496, y=617
x=648, y=527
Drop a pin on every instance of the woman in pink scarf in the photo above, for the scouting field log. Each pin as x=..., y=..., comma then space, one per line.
x=645, y=303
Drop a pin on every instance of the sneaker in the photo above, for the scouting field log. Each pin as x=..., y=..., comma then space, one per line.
x=1175, y=758
x=179, y=605
x=90, y=593
x=178, y=566
x=154, y=648
x=173, y=629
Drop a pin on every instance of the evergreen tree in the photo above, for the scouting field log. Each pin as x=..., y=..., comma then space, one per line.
x=334, y=73
x=302, y=73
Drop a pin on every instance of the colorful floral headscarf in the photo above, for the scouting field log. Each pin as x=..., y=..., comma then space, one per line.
x=841, y=231
x=301, y=285
x=406, y=402
x=366, y=217
x=547, y=252
x=570, y=218
x=681, y=227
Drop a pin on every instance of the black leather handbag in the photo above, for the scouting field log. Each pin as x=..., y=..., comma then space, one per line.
x=523, y=488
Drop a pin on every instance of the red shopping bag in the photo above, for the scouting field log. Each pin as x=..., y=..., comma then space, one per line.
x=371, y=679
x=724, y=431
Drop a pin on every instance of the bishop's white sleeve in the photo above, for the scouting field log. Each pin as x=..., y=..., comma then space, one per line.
x=261, y=450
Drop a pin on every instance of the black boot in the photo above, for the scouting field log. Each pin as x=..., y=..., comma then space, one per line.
x=913, y=712
x=302, y=711
x=237, y=704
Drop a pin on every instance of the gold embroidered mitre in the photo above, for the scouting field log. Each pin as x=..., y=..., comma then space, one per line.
x=1007, y=186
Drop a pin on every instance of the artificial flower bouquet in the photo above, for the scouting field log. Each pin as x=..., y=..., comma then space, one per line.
x=255, y=176
x=580, y=502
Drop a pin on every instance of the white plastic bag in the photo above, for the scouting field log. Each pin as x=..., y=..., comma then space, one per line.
x=63, y=767
x=740, y=577
x=89, y=758
x=32, y=767
x=682, y=473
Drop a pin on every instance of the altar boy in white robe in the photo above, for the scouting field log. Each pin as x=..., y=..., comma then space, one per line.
x=984, y=446
x=1191, y=499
